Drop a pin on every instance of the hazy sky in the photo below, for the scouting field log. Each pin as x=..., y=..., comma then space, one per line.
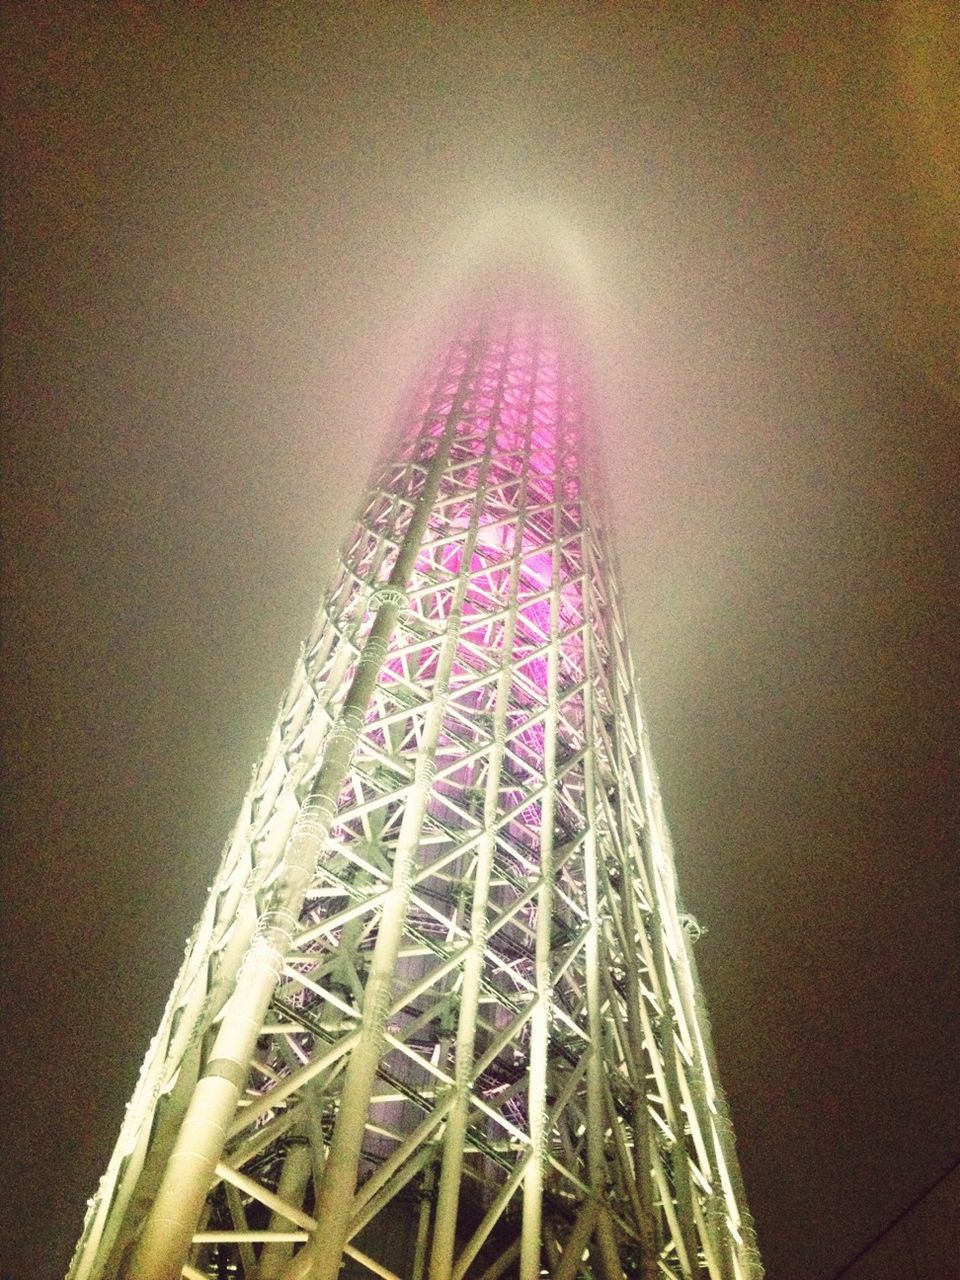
x=228, y=231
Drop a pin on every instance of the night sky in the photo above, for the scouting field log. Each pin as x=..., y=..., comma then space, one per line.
x=228, y=230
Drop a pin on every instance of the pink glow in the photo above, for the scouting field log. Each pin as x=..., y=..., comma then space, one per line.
x=512, y=479
x=521, y=399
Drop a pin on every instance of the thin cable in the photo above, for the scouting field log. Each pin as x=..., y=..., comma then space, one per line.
x=899, y=1218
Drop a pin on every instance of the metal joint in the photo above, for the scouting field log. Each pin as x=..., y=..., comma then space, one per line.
x=394, y=597
x=692, y=926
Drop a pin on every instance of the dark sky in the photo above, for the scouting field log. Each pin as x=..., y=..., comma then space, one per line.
x=227, y=230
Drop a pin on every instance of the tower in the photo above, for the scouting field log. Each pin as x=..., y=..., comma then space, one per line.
x=440, y=1019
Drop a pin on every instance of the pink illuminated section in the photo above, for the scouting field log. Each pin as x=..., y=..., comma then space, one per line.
x=501, y=564
x=460, y=974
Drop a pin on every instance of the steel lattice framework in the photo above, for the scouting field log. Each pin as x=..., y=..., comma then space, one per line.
x=440, y=1017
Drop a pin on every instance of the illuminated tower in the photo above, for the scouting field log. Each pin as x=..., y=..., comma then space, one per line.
x=440, y=1019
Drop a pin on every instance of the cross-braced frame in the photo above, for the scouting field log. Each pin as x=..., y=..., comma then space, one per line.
x=440, y=1018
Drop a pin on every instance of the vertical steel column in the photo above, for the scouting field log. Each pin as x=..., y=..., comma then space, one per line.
x=163, y=1244
x=320, y=1258
x=596, y=1162
x=641, y=1117
x=297, y=1168
x=749, y=1254
x=530, y=1237
x=451, y=1171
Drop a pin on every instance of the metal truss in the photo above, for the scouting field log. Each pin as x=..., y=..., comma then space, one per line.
x=440, y=1019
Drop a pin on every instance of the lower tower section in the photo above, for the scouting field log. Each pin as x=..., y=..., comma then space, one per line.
x=440, y=1019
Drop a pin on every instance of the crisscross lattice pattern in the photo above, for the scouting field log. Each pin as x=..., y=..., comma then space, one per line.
x=440, y=1016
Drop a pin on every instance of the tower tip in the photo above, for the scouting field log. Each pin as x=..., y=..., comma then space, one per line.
x=524, y=256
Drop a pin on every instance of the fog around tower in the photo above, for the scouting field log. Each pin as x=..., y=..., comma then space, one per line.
x=233, y=234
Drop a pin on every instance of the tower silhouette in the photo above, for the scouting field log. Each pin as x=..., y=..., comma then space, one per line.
x=440, y=1019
